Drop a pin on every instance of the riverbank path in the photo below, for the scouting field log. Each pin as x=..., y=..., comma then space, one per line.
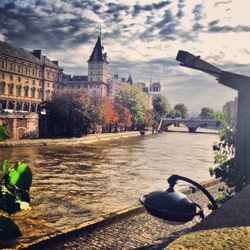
x=141, y=231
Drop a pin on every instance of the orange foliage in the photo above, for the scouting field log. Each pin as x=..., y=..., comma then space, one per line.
x=108, y=111
x=125, y=116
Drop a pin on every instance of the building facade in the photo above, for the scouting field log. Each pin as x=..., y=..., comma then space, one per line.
x=26, y=78
x=97, y=80
x=230, y=110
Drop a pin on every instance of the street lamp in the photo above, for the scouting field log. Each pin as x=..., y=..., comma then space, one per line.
x=175, y=206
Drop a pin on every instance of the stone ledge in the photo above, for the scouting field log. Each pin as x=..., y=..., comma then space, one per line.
x=226, y=228
x=66, y=141
x=87, y=227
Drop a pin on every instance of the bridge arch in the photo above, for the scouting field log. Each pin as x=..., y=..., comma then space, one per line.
x=191, y=124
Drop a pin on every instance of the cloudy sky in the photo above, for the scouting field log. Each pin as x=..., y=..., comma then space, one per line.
x=141, y=38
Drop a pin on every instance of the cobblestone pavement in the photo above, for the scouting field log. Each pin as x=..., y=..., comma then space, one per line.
x=137, y=232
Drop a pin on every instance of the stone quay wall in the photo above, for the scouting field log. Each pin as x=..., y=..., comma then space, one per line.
x=20, y=126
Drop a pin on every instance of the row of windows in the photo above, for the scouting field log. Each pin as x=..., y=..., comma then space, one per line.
x=30, y=107
x=84, y=86
x=20, y=69
x=19, y=89
x=52, y=76
x=28, y=71
x=20, y=79
x=97, y=66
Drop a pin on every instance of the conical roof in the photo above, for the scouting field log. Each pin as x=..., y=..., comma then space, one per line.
x=130, y=80
x=97, y=54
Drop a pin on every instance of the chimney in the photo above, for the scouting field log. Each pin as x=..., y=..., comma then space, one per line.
x=55, y=62
x=37, y=53
x=116, y=76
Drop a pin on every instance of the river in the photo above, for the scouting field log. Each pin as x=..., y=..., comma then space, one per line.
x=72, y=184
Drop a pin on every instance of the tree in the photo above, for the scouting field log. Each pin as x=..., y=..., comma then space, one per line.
x=72, y=113
x=161, y=106
x=109, y=114
x=181, y=110
x=220, y=118
x=124, y=115
x=206, y=113
x=133, y=98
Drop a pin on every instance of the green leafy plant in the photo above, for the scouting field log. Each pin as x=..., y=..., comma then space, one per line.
x=227, y=169
x=14, y=193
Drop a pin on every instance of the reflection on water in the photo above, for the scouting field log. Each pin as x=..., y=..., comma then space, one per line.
x=72, y=184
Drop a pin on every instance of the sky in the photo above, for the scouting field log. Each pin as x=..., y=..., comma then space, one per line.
x=141, y=38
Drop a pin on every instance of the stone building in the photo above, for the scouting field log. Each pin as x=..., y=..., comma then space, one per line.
x=97, y=80
x=230, y=110
x=26, y=78
x=19, y=125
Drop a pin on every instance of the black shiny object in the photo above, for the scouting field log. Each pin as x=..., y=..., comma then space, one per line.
x=171, y=206
x=174, y=206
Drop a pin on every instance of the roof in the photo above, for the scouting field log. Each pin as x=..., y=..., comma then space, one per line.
x=10, y=50
x=97, y=55
x=77, y=80
x=130, y=80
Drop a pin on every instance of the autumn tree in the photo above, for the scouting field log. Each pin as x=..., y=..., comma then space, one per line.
x=108, y=112
x=71, y=113
x=133, y=98
x=124, y=115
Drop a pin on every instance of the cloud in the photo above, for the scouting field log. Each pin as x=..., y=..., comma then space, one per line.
x=198, y=12
x=223, y=29
x=138, y=8
x=140, y=37
x=222, y=3
x=181, y=5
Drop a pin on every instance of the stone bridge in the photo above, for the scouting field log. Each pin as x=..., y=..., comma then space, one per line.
x=191, y=124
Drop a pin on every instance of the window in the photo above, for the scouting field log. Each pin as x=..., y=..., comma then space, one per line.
x=26, y=91
x=33, y=82
x=19, y=68
x=39, y=93
x=19, y=79
x=18, y=90
x=47, y=75
x=33, y=90
x=11, y=77
x=27, y=81
x=33, y=72
x=48, y=84
x=26, y=70
x=39, y=73
x=2, y=64
x=2, y=87
x=11, y=86
x=11, y=66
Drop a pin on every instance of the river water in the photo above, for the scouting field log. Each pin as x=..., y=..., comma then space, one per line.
x=72, y=184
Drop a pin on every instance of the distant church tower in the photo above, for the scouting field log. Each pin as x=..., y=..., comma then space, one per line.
x=98, y=73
